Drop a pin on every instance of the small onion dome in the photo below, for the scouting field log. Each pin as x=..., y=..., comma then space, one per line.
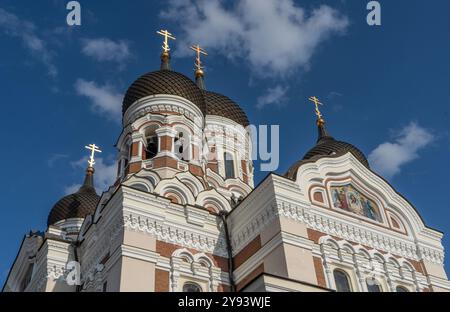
x=220, y=105
x=327, y=146
x=78, y=205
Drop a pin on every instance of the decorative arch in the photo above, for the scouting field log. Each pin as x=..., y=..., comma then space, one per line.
x=142, y=182
x=214, y=199
x=191, y=181
x=198, y=268
x=183, y=254
x=346, y=246
x=396, y=222
x=175, y=187
x=330, y=241
x=347, y=166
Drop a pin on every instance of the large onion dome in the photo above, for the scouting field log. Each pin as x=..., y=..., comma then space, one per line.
x=167, y=81
x=164, y=81
x=327, y=146
x=77, y=205
x=220, y=105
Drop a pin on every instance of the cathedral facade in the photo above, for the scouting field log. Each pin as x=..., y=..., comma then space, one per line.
x=184, y=213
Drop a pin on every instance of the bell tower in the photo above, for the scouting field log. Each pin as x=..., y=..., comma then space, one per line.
x=172, y=125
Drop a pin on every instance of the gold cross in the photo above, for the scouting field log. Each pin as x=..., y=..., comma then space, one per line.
x=94, y=149
x=167, y=35
x=200, y=51
x=316, y=102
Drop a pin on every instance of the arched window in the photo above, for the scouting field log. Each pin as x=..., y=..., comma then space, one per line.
x=401, y=289
x=151, y=141
x=181, y=146
x=229, y=166
x=126, y=154
x=373, y=285
x=342, y=281
x=191, y=287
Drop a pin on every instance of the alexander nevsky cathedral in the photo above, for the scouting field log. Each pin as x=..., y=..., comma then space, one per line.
x=184, y=214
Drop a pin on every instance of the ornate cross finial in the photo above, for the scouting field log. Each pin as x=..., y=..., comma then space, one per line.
x=316, y=102
x=167, y=35
x=94, y=149
x=198, y=61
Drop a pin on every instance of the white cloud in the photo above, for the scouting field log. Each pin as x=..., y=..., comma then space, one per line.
x=13, y=26
x=104, y=99
x=103, y=49
x=388, y=158
x=104, y=176
x=275, y=95
x=276, y=36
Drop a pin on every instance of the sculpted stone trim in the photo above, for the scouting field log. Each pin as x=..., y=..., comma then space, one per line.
x=178, y=235
x=326, y=223
x=368, y=263
x=196, y=267
x=350, y=167
x=165, y=104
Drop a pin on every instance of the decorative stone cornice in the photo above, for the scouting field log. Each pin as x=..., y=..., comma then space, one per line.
x=162, y=103
x=178, y=235
x=328, y=224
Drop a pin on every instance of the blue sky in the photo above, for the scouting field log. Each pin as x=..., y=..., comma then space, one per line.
x=385, y=88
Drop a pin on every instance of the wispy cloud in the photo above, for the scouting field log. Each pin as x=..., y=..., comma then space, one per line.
x=105, y=99
x=106, y=50
x=388, y=158
x=276, y=36
x=27, y=32
x=273, y=96
x=104, y=177
x=332, y=96
x=54, y=158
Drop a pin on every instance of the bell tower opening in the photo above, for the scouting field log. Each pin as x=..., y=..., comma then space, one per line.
x=152, y=142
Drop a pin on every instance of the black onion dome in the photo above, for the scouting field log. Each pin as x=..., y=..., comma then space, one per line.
x=78, y=205
x=331, y=146
x=163, y=82
x=327, y=146
x=220, y=105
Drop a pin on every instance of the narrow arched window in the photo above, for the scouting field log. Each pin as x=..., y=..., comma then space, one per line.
x=373, y=285
x=229, y=166
x=182, y=144
x=191, y=287
x=401, y=289
x=151, y=142
x=342, y=281
x=130, y=150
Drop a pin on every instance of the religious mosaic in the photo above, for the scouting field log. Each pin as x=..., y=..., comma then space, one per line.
x=347, y=198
